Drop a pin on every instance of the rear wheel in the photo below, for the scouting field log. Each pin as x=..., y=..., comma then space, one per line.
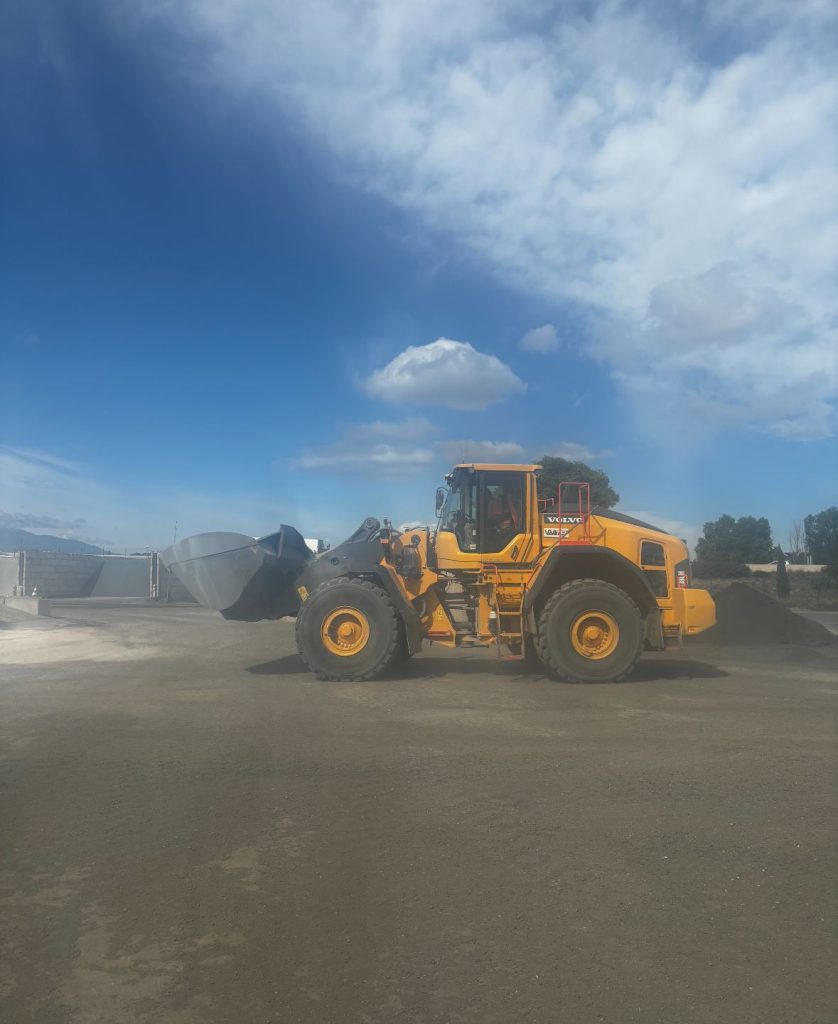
x=590, y=632
x=348, y=629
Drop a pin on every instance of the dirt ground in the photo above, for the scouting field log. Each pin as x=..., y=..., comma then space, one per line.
x=195, y=831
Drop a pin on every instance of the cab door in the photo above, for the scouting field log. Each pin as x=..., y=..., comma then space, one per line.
x=502, y=521
x=487, y=518
x=653, y=562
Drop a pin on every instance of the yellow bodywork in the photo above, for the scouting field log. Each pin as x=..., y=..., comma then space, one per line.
x=500, y=581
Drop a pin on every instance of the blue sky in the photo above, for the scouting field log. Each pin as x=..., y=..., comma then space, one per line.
x=269, y=263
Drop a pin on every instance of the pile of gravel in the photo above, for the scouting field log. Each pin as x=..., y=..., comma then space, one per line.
x=747, y=616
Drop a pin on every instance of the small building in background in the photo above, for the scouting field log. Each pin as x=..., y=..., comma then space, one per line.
x=790, y=567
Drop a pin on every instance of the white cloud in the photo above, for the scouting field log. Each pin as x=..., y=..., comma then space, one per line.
x=540, y=339
x=668, y=169
x=381, y=447
x=384, y=457
x=30, y=521
x=411, y=429
x=401, y=448
x=482, y=451
x=574, y=452
x=28, y=462
x=445, y=372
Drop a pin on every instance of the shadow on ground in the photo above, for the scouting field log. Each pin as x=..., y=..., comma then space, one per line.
x=419, y=668
x=430, y=668
x=681, y=668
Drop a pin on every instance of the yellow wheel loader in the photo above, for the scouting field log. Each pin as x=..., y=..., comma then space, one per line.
x=575, y=591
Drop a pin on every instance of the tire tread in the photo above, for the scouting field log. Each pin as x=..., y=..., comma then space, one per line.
x=555, y=598
x=390, y=656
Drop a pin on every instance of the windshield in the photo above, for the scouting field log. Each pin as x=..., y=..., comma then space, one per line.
x=459, y=513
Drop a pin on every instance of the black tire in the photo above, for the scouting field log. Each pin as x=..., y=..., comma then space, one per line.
x=565, y=609
x=380, y=650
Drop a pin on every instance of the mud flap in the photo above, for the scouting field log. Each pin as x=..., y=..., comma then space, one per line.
x=654, y=639
x=241, y=577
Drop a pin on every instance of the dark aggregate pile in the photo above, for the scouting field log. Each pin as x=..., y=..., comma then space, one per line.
x=747, y=616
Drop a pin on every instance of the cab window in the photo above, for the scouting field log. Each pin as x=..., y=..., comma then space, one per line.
x=459, y=513
x=502, y=508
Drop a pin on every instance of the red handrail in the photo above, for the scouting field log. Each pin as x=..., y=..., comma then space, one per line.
x=574, y=512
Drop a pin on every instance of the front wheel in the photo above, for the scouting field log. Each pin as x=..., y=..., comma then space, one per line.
x=590, y=632
x=349, y=629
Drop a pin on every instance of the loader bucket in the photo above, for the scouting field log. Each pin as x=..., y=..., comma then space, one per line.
x=239, y=576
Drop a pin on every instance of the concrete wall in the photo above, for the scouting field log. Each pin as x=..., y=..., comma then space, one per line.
x=56, y=574
x=9, y=574
x=122, y=576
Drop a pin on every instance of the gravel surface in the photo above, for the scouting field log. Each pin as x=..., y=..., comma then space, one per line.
x=195, y=830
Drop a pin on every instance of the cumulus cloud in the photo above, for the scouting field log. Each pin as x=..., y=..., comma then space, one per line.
x=445, y=372
x=669, y=170
x=712, y=307
x=540, y=339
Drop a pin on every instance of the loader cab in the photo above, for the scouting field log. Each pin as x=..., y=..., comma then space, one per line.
x=486, y=515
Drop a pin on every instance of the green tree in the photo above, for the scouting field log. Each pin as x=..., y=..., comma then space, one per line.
x=783, y=586
x=822, y=536
x=555, y=471
x=726, y=539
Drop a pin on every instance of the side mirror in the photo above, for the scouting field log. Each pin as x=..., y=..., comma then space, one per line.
x=441, y=495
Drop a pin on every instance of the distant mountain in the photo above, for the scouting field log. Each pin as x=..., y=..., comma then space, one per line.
x=14, y=539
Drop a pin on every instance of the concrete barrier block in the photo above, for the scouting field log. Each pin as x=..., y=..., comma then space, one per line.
x=29, y=605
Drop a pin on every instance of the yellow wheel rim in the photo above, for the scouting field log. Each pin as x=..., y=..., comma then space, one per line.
x=595, y=635
x=345, y=631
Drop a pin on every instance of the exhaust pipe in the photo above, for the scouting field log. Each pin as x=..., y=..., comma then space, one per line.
x=242, y=577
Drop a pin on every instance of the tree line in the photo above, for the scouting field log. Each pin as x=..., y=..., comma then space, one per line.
x=727, y=545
